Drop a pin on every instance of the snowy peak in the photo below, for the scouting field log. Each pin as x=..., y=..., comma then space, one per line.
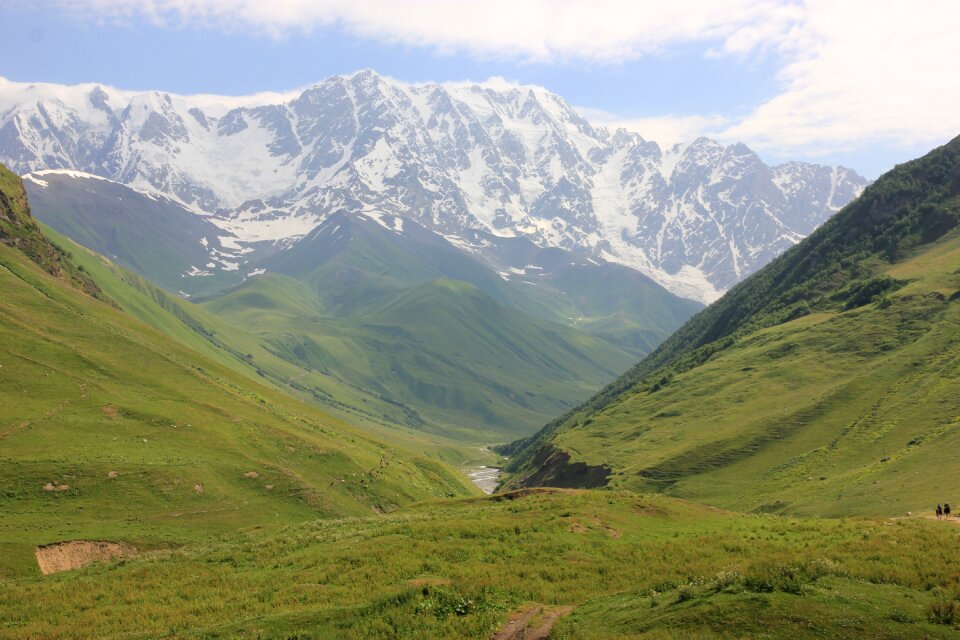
x=458, y=158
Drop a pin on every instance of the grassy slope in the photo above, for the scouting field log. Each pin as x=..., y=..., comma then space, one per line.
x=630, y=565
x=843, y=409
x=232, y=347
x=85, y=389
x=152, y=236
x=355, y=267
x=466, y=366
x=18, y=229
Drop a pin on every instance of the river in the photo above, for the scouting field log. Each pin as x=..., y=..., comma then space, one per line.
x=487, y=478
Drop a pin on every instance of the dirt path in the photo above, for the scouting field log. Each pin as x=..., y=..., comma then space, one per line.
x=532, y=622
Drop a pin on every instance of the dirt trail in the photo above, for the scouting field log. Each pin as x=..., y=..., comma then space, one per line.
x=533, y=622
x=63, y=556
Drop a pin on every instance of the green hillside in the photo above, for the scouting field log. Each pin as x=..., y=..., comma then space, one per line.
x=149, y=234
x=204, y=332
x=629, y=565
x=355, y=265
x=826, y=383
x=110, y=430
x=462, y=364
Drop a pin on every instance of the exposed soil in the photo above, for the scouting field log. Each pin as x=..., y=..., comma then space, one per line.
x=63, y=556
x=532, y=622
x=554, y=469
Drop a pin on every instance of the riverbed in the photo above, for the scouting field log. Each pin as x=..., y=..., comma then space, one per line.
x=487, y=478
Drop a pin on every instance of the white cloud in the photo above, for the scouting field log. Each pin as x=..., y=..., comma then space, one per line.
x=852, y=72
x=534, y=30
x=856, y=72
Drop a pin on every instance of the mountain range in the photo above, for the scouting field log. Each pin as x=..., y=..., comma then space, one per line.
x=479, y=163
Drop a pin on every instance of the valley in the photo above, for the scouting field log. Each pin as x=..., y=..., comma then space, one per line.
x=158, y=437
x=378, y=358
x=400, y=328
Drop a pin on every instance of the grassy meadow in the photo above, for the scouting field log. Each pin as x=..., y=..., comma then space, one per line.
x=632, y=565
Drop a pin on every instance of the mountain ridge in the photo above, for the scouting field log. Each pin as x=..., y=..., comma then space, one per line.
x=459, y=158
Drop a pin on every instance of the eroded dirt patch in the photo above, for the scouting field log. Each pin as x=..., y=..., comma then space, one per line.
x=63, y=556
x=532, y=622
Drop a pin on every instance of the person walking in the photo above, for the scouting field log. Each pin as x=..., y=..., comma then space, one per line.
x=939, y=512
x=946, y=509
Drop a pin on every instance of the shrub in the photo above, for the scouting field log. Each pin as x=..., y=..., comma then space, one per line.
x=727, y=580
x=944, y=612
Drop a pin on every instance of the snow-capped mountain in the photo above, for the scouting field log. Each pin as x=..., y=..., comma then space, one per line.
x=465, y=160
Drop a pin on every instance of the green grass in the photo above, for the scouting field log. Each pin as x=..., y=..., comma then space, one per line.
x=324, y=325
x=833, y=413
x=826, y=607
x=18, y=229
x=630, y=564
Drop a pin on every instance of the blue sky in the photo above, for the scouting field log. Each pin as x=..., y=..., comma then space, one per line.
x=783, y=78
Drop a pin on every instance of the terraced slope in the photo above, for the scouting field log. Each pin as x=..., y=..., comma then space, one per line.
x=826, y=383
x=109, y=430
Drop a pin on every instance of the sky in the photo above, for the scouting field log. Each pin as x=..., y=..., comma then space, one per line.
x=863, y=84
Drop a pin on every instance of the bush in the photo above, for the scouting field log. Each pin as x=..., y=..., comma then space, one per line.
x=944, y=612
x=727, y=581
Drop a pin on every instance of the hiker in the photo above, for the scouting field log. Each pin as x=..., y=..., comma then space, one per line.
x=946, y=509
x=939, y=512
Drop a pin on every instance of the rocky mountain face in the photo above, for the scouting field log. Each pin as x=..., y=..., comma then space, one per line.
x=470, y=161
